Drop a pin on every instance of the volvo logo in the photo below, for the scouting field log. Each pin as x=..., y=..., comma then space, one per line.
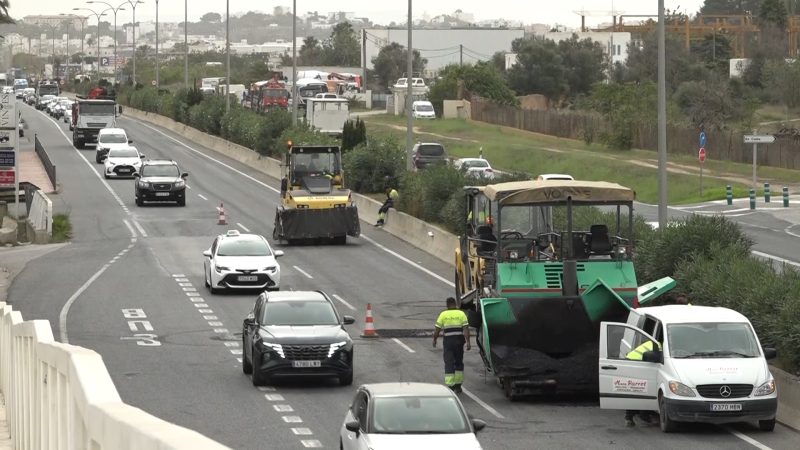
x=725, y=391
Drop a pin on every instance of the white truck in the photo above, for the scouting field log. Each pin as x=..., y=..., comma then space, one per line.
x=327, y=115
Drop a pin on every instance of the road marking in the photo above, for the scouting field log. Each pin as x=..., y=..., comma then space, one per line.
x=134, y=325
x=181, y=280
x=189, y=289
x=188, y=187
x=199, y=305
x=788, y=231
x=303, y=272
x=231, y=344
x=266, y=388
x=236, y=351
x=221, y=330
x=139, y=227
x=406, y=260
x=239, y=360
x=130, y=228
x=62, y=316
x=178, y=275
x=274, y=397
x=215, y=324
x=227, y=166
x=311, y=443
x=202, y=196
x=192, y=294
x=184, y=284
x=302, y=431
x=775, y=258
x=205, y=311
x=353, y=308
x=210, y=317
x=401, y=344
x=243, y=227
x=747, y=438
x=485, y=405
x=283, y=408
x=292, y=419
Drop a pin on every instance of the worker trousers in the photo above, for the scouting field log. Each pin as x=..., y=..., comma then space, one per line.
x=389, y=203
x=454, y=360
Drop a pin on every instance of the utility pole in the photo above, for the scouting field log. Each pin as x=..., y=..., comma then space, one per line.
x=460, y=54
x=228, y=51
x=294, y=62
x=662, y=120
x=186, y=42
x=409, y=84
x=158, y=82
x=364, y=59
x=133, y=6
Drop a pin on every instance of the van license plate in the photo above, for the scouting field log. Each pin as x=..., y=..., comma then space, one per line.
x=726, y=407
x=300, y=364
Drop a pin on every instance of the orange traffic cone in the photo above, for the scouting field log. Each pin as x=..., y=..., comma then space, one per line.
x=222, y=220
x=369, y=328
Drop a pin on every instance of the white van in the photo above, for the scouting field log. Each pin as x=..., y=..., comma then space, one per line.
x=710, y=367
x=421, y=109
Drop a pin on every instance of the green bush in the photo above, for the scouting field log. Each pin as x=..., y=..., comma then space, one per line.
x=62, y=228
x=353, y=134
x=660, y=255
x=301, y=135
x=370, y=164
x=207, y=115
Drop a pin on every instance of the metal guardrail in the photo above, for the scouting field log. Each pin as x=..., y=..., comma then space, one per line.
x=49, y=167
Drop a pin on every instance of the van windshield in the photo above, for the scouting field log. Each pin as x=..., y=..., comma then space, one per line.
x=712, y=340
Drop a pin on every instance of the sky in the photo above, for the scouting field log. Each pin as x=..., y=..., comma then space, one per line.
x=529, y=11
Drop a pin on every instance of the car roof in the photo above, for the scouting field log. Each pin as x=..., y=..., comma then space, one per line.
x=294, y=296
x=161, y=162
x=472, y=159
x=555, y=176
x=113, y=131
x=407, y=389
x=674, y=314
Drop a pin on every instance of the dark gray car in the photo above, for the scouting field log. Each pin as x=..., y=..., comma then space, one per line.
x=427, y=154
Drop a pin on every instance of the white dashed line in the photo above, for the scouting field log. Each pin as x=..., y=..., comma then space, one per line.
x=139, y=227
x=302, y=431
x=210, y=318
x=242, y=227
x=193, y=294
x=202, y=196
x=221, y=331
x=483, y=404
x=292, y=419
x=188, y=187
x=197, y=299
x=236, y=351
x=189, y=289
x=342, y=301
x=239, y=360
x=199, y=305
x=401, y=344
x=311, y=443
x=206, y=311
x=274, y=397
x=181, y=280
x=747, y=438
x=231, y=344
x=283, y=408
x=303, y=272
x=184, y=284
x=130, y=227
x=62, y=316
x=178, y=275
x=266, y=388
x=215, y=324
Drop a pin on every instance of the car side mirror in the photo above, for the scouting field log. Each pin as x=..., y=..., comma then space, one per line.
x=137, y=175
x=278, y=253
x=478, y=424
x=119, y=109
x=130, y=141
x=654, y=356
x=250, y=320
x=185, y=175
x=348, y=320
x=353, y=426
x=207, y=253
x=770, y=353
x=141, y=156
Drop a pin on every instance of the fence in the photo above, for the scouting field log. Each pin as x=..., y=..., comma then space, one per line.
x=60, y=396
x=49, y=167
x=724, y=145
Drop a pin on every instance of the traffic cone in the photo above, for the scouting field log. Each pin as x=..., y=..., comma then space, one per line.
x=369, y=328
x=222, y=220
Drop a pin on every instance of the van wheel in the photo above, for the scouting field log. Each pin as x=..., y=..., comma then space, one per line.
x=667, y=425
x=766, y=425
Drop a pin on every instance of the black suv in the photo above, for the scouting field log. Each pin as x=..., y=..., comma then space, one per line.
x=160, y=180
x=296, y=333
x=426, y=154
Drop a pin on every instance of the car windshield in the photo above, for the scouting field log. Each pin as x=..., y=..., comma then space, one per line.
x=98, y=109
x=712, y=340
x=424, y=108
x=431, y=150
x=315, y=163
x=113, y=138
x=123, y=153
x=243, y=247
x=417, y=415
x=299, y=313
x=160, y=170
x=480, y=163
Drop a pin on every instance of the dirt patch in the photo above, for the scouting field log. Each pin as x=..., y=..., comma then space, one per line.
x=418, y=131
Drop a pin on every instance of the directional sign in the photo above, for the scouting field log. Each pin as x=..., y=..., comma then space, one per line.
x=7, y=158
x=702, y=154
x=8, y=110
x=702, y=139
x=7, y=177
x=759, y=139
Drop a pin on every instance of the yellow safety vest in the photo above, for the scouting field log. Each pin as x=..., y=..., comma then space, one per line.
x=636, y=354
x=393, y=194
x=452, y=322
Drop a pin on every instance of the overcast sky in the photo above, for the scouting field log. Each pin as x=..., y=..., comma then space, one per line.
x=533, y=11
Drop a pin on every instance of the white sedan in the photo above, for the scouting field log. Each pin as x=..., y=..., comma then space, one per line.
x=122, y=162
x=476, y=167
x=420, y=416
x=241, y=261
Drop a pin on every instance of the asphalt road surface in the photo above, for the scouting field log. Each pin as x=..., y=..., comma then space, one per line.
x=130, y=286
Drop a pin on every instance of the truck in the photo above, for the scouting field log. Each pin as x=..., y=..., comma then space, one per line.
x=270, y=94
x=47, y=88
x=314, y=202
x=537, y=269
x=89, y=116
x=327, y=115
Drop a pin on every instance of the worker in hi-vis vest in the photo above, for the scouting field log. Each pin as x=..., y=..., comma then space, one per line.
x=453, y=325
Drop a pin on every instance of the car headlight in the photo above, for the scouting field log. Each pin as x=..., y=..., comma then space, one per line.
x=766, y=388
x=681, y=389
x=111, y=163
x=180, y=183
x=137, y=163
x=144, y=184
x=271, y=269
x=220, y=269
x=336, y=346
x=277, y=348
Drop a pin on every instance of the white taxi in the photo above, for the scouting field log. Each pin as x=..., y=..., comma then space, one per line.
x=238, y=261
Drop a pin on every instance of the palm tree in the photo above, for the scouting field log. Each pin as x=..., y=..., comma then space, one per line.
x=4, y=17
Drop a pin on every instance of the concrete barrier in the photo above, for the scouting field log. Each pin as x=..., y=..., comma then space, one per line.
x=40, y=218
x=788, y=387
x=8, y=230
x=61, y=396
x=432, y=239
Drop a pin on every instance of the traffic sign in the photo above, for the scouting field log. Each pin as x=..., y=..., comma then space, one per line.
x=7, y=177
x=702, y=139
x=153, y=82
x=8, y=110
x=702, y=154
x=7, y=158
x=759, y=139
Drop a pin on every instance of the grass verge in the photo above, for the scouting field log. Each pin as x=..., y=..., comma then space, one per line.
x=521, y=151
x=62, y=228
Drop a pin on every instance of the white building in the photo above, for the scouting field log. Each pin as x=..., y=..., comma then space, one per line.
x=614, y=43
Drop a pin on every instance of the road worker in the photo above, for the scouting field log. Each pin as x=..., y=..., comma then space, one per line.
x=453, y=325
x=636, y=355
x=391, y=196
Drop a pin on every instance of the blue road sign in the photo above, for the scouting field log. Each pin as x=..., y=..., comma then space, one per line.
x=7, y=158
x=702, y=139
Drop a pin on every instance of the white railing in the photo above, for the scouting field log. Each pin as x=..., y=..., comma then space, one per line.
x=60, y=396
x=41, y=214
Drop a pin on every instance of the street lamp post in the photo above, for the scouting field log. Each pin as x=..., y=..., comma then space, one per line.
x=115, y=11
x=133, y=7
x=68, y=22
x=186, y=42
x=662, y=120
x=294, y=63
x=98, y=15
x=409, y=99
x=228, y=51
x=157, y=80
